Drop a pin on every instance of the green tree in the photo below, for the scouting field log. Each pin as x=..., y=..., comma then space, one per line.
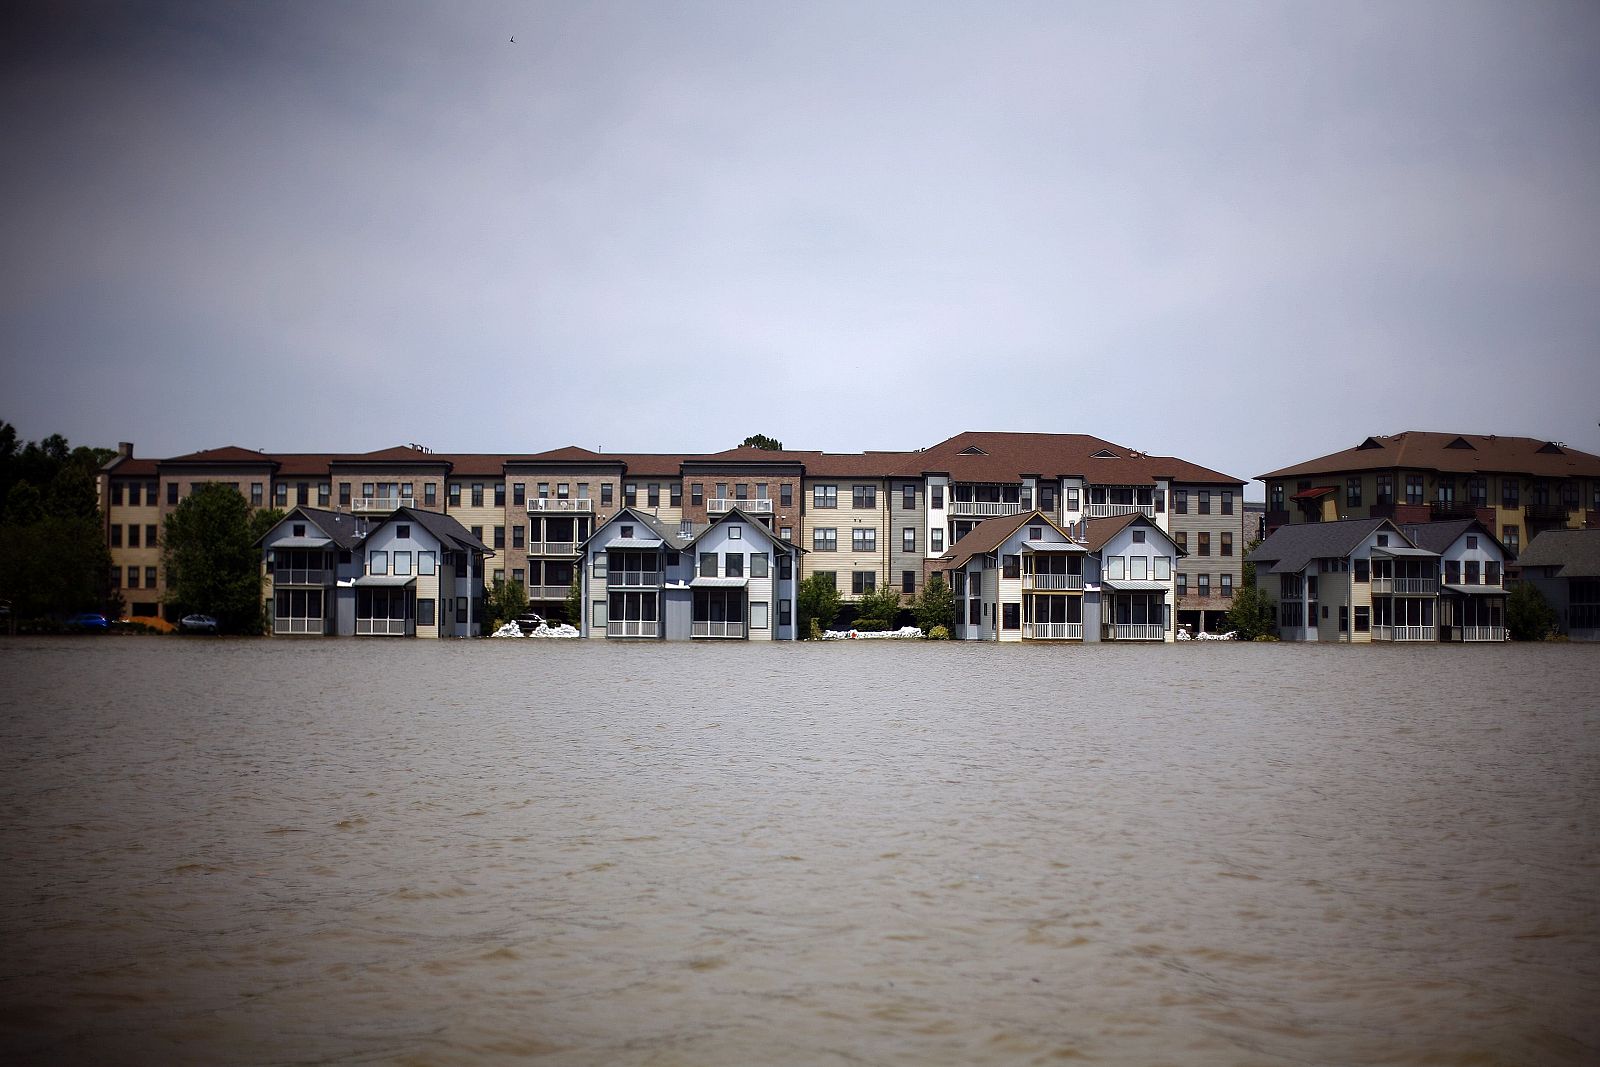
x=212, y=563
x=763, y=442
x=574, y=603
x=1251, y=615
x=507, y=601
x=936, y=606
x=1248, y=569
x=882, y=605
x=818, y=602
x=56, y=565
x=1529, y=617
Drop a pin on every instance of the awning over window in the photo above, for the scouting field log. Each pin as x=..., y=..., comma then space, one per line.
x=1315, y=494
x=634, y=542
x=1402, y=550
x=1132, y=585
x=302, y=542
x=1476, y=590
x=1053, y=546
x=381, y=581
x=718, y=583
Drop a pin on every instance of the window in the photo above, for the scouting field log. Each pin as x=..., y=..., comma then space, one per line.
x=675, y=495
x=1181, y=539
x=708, y=564
x=1180, y=501
x=600, y=561
x=1205, y=502
x=1163, y=568
x=1072, y=498
x=519, y=535
x=786, y=494
x=1138, y=537
x=1491, y=572
x=1511, y=537
x=430, y=494
x=759, y=562
x=477, y=494
x=936, y=540
x=1362, y=570
x=499, y=537
x=863, y=581
x=426, y=562
x=908, y=539
x=455, y=494
x=606, y=491
x=149, y=577
x=1227, y=584
x=1363, y=619
x=824, y=496
x=1383, y=540
x=1472, y=540
x=377, y=563
x=1010, y=566
x=630, y=493
x=735, y=533
x=133, y=577
x=864, y=539
x=824, y=539
x=697, y=494
x=324, y=494
x=402, y=564
x=1413, y=489
x=758, y=615
x=652, y=495
x=1204, y=540
x=519, y=576
x=864, y=496
x=519, y=493
x=1225, y=546
x=936, y=496
x=733, y=564
x=1227, y=501
x=908, y=496
x=785, y=613
x=1047, y=497
x=257, y=495
x=150, y=535
x=280, y=495
x=172, y=493
x=1139, y=568
x=1115, y=566
x=785, y=568
x=116, y=494
x=597, y=617
x=1011, y=616
x=1183, y=584
x=787, y=533
x=1471, y=572
x=1202, y=583
x=499, y=494
x=133, y=535
x=908, y=583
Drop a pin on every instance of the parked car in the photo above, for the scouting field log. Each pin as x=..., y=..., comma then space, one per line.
x=89, y=622
x=198, y=624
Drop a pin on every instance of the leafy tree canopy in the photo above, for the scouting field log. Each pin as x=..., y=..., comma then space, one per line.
x=1251, y=615
x=817, y=601
x=506, y=601
x=763, y=442
x=1529, y=616
x=53, y=557
x=936, y=606
x=882, y=604
x=212, y=563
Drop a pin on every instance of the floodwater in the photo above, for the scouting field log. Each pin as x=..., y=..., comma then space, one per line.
x=361, y=851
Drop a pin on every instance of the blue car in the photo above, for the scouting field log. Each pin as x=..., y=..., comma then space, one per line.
x=89, y=622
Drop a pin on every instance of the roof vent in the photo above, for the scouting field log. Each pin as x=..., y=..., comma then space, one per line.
x=1552, y=448
x=1105, y=453
x=972, y=450
x=1371, y=442
x=1460, y=442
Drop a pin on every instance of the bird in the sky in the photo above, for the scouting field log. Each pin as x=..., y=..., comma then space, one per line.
x=513, y=40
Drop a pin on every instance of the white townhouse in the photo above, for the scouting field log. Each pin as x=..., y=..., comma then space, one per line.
x=730, y=579
x=1472, y=592
x=1129, y=593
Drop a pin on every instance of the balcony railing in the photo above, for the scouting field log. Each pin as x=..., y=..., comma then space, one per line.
x=300, y=576
x=1052, y=631
x=1444, y=510
x=1052, y=581
x=632, y=579
x=717, y=629
x=1133, y=631
x=544, y=505
x=384, y=504
x=1406, y=586
x=1404, y=633
x=1480, y=633
x=633, y=628
x=548, y=592
x=719, y=504
x=983, y=509
x=297, y=626
x=1100, y=511
x=383, y=627
x=553, y=548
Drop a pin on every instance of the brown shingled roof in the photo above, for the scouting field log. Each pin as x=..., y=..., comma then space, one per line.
x=229, y=454
x=1452, y=453
x=1096, y=532
x=988, y=535
x=1004, y=456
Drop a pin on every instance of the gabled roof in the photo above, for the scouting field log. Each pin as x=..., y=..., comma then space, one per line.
x=1291, y=548
x=1005, y=456
x=343, y=529
x=739, y=515
x=1451, y=453
x=628, y=514
x=231, y=455
x=1439, y=536
x=989, y=535
x=1576, y=552
x=129, y=467
x=569, y=454
x=1096, y=532
x=445, y=528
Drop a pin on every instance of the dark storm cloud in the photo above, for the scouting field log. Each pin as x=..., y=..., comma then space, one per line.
x=1245, y=235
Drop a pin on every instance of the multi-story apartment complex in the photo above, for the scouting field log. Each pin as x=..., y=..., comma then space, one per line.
x=871, y=520
x=1517, y=487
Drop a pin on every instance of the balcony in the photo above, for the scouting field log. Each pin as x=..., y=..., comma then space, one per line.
x=1446, y=510
x=1406, y=586
x=1480, y=633
x=1133, y=631
x=1053, y=582
x=633, y=579
x=553, y=548
x=549, y=505
x=1548, y=512
x=719, y=505
x=1101, y=511
x=717, y=629
x=373, y=505
x=983, y=509
x=297, y=626
x=1052, y=631
x=548, y=592
x=383, y=627
x=1403, y=633
x=634, y=628
x=300, y=576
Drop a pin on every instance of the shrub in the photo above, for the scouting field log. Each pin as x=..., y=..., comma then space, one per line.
x=872, y=625
x=938, y=633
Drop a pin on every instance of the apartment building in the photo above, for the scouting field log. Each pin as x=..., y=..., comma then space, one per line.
x=1518, y=487
x=871, y=519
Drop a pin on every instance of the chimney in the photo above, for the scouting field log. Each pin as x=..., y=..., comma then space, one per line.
x=125, y=449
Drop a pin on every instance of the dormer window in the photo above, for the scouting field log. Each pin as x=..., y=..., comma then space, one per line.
x=1472, y=540
x=972, y=450
x=1104, y=453
x=735, y=533
x=1035, y=533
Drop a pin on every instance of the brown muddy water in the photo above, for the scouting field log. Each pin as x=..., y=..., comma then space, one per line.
x=449, y=852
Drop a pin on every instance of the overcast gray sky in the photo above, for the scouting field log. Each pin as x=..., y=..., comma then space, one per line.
x=1245, y=234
